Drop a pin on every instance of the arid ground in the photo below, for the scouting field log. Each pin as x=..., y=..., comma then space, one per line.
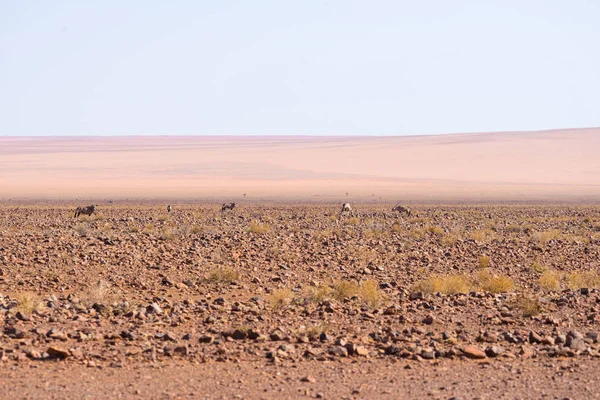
x=296, y=301
x=488, y=289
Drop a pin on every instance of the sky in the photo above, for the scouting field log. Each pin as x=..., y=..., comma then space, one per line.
x=310, y=67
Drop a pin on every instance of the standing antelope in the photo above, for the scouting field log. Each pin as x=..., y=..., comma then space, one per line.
x=345, y=208
x=169, y=208
x=89, y=210
x=401, y=209
x=227, y=206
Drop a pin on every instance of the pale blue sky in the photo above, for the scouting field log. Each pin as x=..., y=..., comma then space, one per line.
x=332, y=67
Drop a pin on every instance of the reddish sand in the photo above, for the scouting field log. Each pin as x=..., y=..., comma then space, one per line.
x=560, y=165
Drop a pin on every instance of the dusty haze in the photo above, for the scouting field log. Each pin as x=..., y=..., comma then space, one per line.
x=559, y=165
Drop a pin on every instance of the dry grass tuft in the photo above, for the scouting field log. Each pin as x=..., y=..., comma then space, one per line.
x=281, y=298
x=583, y=279
x=538, y=267
x=258, y=228
x=163, y=218
x=541, y=238
x=223, y=275
x=353, y=221
x=484, y=262
x=449, y=240
x=449, y=284
x=28, y=302
x=396, y=228
x=148, y=229
x=314, y=332
x=495, y=283
x=434, y=230
x=98, y=294
x=81, y=230
x=528, y=306
x=320, y=293
x=370, y=294
x=483, y=235
x=549, y=281
x=98, y=217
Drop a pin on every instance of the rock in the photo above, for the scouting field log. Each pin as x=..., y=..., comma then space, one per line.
x=577, y=344
x=494, y=351
x=206, y=339
x=308, y=378
x=428, y=320
x=534, y=338
x=416, y=296
x=57, y=352
x=338, y=351
x=362, y=351
x=154, y=308
x=239, y=334
x=428, y=354
x=473, y=352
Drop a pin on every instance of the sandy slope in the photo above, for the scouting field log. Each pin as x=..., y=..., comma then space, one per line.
x=548, y=165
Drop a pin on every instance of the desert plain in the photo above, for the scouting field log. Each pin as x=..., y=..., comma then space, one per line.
x=488, y=289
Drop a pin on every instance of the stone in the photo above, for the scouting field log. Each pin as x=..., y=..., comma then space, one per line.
x=57, y=352
x=309, y=379
x=494, y=351
x=473, y=352
x=338, y=351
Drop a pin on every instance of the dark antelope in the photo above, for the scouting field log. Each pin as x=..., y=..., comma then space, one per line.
x=401, y=209
x=169, y=208
x=227, y=206
x=89, y=210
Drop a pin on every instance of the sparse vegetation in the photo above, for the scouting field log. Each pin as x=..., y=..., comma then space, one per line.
x=449, y=284
x=258, y=228
x=281, y=298
x=223, y=275
x=492, y=283
x=549, y=281
x=484, y=262
x=583, y=279
x=528, y=306
x=28, y=302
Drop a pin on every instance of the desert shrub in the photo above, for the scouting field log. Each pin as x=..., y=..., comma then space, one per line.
x=484, y=262
x=223, y=275
x=166, y=234
x=483, y=235
x=353, y=221
x=97, y=294
x=396, y=227
x=84, y=218
x=513, y=228
x=280, y=298
x=81, y=230
x=528, y=306
x=449, y=240
x=196, y=229
x=449, y=284
x=370, y=294
x=258, y=228
x=28, y=302
x=434, y=230
x=538, y=267
x=98, y=217
x=417, y=234
x=314, y=332
x=148, y=229
x=320, y=293
x=541, y=238
x=163, y=218
x=549, y=281
x=344, y=289
x=583, y=279
x=495, y=283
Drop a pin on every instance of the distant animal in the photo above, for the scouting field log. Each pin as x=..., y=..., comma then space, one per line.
x=346, y=208
x=89, y=210
x=169, y=208
x=401, y=210
x=227, y=206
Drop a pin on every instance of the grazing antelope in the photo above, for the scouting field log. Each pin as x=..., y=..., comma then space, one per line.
x=89, y=210
x=227, y=206
x=345, y=208
x=169, y=208
x=401, y=209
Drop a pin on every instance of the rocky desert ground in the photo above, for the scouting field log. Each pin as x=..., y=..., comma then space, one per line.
x=294, y=300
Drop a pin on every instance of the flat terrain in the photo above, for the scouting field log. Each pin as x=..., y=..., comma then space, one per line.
x=560, y=165
x=296, y=300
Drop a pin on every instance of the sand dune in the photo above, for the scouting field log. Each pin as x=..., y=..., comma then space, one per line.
x=559, y=165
